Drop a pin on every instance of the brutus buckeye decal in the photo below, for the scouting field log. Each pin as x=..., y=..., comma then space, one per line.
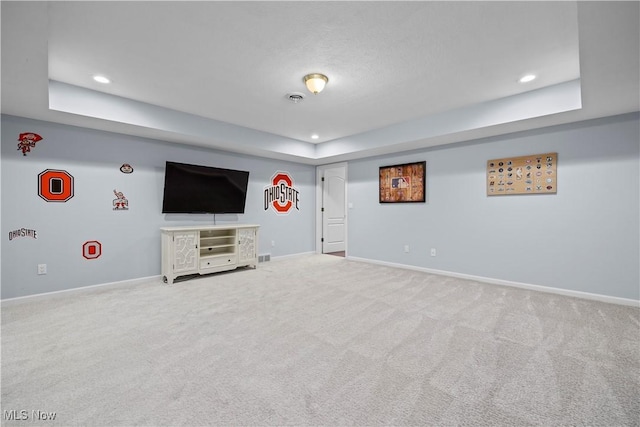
x=55, y=185
x=281, y=195
x=120, y=203
x=27, y=141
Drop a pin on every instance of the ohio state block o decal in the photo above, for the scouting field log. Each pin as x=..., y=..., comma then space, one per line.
x=55, y=185
x=91, y=249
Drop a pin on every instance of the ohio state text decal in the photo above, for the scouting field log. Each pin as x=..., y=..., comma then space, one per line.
x=23, y=232
x=281, y=195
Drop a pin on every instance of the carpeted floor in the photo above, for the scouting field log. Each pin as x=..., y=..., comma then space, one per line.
x=320, y=340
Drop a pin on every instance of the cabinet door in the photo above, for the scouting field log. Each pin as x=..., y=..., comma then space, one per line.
x=247, y=246
x=185, y=252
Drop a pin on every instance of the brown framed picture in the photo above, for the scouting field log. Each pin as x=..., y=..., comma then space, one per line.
x=403, y=183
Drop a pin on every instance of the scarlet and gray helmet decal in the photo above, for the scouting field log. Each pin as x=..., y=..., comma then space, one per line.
x=281, y=195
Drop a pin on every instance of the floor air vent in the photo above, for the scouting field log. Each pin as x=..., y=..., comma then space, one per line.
x=264, y=258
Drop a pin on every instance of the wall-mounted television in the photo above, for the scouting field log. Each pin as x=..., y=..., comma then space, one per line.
x=203, y=189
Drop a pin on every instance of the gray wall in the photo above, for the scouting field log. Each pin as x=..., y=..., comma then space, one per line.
x=130, y=239
x=584, y=238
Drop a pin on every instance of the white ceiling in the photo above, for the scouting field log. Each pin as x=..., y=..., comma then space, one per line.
x=402, y=75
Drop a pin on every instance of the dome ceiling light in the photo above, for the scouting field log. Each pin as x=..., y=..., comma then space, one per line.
x=315, y=82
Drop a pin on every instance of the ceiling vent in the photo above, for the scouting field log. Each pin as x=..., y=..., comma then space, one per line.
x=295, y=97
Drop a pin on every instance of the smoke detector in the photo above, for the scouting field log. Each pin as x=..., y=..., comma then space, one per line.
x=295, y=97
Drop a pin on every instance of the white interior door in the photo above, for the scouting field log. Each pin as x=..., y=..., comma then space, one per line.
x=334, y=213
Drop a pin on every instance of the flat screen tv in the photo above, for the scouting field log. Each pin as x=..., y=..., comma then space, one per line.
x=203, y=189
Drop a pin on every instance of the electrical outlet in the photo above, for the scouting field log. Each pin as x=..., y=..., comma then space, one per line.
x=433, y=251
x=273, y=243
x=42, y=268
x=406, y=248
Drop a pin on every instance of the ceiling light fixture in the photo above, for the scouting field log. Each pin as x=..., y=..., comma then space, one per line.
x=527, y=78
x=315, y=136
x=295, y=97
x=315, y=82
x=101, y=79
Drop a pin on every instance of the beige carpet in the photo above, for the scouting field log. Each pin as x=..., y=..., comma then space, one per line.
x=320, y=340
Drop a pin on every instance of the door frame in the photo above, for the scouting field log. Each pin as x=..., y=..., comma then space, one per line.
x=319, y=174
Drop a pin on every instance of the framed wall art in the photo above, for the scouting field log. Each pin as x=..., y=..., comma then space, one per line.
x=535, y=174
x=403, y=183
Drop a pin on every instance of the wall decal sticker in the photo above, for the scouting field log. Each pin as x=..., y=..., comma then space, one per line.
x=120, y=203
x=126, y=168
x=524, y=172
x=92, y=249
x=281, y=195
x=23, y=232
x=27, y=141
x=55, y=185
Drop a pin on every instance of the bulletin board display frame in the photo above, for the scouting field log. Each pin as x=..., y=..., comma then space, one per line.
x=534, y=174
x=403, y=183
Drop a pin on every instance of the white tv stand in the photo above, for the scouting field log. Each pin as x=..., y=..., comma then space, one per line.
x=209, y=249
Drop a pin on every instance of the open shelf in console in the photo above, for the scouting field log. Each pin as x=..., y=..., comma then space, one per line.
x=218, y=242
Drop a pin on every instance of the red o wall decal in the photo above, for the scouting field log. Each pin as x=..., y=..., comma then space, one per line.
x=276, y=204
x=91, y=249
x=55, y=185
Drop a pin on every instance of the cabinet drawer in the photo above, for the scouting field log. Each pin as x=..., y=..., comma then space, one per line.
x=210, y=262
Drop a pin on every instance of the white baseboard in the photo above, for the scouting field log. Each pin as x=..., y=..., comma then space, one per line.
x=46, y=295
x=123, y=283
x=131, y=282
x=566, y=292
x=284, y=257
x=558, y=291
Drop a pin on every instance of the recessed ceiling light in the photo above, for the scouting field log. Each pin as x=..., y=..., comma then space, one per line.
x=315, y=136
x=101, y=79
x=527, y=78
x=295, y=97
